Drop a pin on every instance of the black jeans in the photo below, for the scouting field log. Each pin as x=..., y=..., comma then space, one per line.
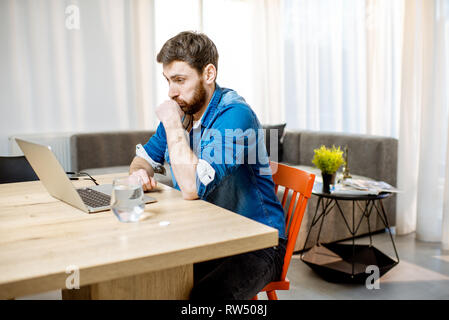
x=238, y=277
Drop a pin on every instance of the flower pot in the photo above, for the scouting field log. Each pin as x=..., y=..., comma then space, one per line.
x=328, y=179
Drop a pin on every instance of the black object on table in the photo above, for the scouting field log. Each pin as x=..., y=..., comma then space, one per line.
x=16, y=169
x=337, y=262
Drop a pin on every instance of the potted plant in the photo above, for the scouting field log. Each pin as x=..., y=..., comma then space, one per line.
x=328, y=160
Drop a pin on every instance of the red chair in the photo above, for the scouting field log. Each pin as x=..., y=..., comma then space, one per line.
x=301, y=183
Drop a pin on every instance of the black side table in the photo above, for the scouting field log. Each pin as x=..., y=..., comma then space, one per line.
x=337, y=262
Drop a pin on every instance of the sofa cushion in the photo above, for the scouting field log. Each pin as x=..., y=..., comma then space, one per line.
x=290, y=147
x=105, y=149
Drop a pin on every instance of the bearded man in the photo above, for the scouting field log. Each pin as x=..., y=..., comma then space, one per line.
x=209, y=136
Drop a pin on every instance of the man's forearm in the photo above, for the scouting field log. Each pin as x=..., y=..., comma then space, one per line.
x=183, y=160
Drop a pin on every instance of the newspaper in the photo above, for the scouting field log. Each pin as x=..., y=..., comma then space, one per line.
x=362, y=187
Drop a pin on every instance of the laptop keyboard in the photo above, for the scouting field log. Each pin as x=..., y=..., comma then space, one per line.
x=93, y=198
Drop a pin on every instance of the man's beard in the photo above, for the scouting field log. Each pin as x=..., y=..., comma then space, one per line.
x=198, y=100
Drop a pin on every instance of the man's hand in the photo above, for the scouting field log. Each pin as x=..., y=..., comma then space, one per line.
x=169, y=111
x=148, y=183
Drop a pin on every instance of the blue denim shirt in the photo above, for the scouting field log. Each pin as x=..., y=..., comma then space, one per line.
x=230, y=140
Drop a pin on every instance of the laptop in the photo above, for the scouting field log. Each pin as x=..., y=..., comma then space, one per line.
x=55, y=180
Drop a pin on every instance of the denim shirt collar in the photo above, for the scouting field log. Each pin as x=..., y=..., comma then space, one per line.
x=211, y=109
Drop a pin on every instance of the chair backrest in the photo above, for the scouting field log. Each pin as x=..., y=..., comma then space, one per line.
x=16, y=169
x=301, y=185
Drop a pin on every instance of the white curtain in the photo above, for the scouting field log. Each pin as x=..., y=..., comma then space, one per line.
x=423, y=160
x=267, y=61
x=103, y=76
x=378, y=67
x=248, y=36
x=383, y=51
x=54, y=78
x=172, y=17
x=342, y=65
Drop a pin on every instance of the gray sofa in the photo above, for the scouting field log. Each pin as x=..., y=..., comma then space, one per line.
x=371, y=156
x=108, y=152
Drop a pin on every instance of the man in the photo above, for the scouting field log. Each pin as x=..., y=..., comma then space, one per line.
x=209, y=136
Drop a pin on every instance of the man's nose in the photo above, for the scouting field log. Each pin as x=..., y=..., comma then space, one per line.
x=173, y=92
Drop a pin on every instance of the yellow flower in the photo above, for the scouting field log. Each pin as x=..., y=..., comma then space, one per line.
x=328, y=160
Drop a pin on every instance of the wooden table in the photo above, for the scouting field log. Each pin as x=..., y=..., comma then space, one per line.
x=41, y=239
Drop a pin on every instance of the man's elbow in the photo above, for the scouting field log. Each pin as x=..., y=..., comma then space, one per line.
x=189, y=194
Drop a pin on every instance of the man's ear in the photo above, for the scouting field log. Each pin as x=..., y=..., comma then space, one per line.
x=209, y=73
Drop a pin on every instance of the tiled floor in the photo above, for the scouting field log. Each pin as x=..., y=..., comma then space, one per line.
x=423, y=273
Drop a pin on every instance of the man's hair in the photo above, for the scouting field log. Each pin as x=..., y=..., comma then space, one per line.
x=194, y=48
